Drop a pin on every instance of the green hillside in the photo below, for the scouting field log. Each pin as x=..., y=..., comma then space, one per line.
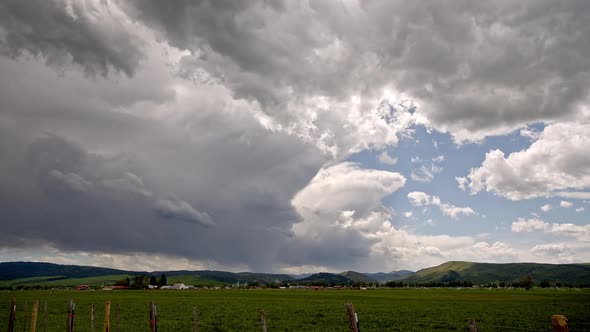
x=13, y=274
x=389, y=276
x=194, y=280
x=326, y=279
x=509, y=272
x=229, y=277
x=358, y=277
x=19, y=270
x=45, y=274
x=60, y=281
x=217, y=278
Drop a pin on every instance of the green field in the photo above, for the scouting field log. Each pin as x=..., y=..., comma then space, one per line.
x=309, y=310
x=57, y=281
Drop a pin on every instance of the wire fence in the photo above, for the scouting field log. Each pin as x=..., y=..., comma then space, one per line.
x=34, y=318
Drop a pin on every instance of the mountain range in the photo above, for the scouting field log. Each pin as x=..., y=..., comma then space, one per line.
x=47, y=274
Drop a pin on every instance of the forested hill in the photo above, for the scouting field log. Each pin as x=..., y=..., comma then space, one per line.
x=27, y=273
x=19, y=270
x=482, y=273
x=49, y=271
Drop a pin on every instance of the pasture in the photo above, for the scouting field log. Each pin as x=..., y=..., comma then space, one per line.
x=309, y=310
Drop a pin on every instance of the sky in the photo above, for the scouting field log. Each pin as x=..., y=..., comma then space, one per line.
x=294, y=136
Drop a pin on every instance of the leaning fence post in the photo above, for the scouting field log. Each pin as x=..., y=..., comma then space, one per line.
x=196, y=327
x=471, y=325
x=34, y=310
x=12, y=316
x=559, y=323
x=352, y=318
x=107, y=316
x=263, y=320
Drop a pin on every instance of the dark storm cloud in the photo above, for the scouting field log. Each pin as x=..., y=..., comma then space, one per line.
x=339, y=249
x=476, y=68
x=176, y=209
x=61, y=32
x=77, y=176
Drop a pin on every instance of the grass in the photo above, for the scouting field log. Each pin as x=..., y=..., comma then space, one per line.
x=65, y=282
x=308, y=310
x=61, y=281
x=193, y=280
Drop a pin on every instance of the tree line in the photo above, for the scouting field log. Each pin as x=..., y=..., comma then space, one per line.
x=143, y=281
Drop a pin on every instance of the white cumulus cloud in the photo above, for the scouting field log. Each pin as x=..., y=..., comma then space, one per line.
x=566, y=204
x=419, y=198
x=560, y=250
x=579, y=232
x=385, y=158
x=427, y=170
x=528, y=225
x=555, y=164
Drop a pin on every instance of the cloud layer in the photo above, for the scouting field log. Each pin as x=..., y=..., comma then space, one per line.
x=220, y=134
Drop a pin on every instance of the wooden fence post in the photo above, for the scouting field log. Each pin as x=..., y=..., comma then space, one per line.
x=12, y=316
x=92, y=317
x=559, y=323
x=34, y=310
x=45, y=317
x=352, y=318
x=196, y=326
x=263, y=320
x=153, y=317
x=25, y=318
x=107, y=317
x=70, y=322
x=117, y=319
x=471, y=325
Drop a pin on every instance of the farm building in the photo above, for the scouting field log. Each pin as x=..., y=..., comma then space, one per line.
x=179, y=286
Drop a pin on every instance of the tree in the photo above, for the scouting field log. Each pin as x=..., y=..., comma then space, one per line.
x=526, y=282
x=123, y=282
x=162, y=281
x=153, y=281
x=544, y=284
x=140, y=282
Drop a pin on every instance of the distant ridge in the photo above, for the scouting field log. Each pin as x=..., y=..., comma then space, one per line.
x=54, y=272
x=326, y=279
x=481, y=273
x=18, y=270
x=34, y=273
x=389, y=276
x=358, y=277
